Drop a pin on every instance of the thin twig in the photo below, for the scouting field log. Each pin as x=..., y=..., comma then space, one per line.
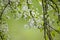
x=35, y=23
x=54, y=29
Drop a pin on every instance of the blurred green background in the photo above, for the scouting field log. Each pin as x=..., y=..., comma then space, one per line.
x=18, y=32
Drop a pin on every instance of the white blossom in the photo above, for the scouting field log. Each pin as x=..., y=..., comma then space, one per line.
x=24, y=7
x=26, y=26
x=30, y=1
x=33, y=13
x=40, y=3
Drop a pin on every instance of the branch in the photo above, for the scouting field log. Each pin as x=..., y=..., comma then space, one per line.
x=35, y=23
x=4, y=9
x=49, y=34
x=55, y=5
x=54, y=29
x=45, y=7
x=56, y=10
x=52, y=7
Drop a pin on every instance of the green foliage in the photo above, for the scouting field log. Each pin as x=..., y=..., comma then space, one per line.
x=41, y=14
